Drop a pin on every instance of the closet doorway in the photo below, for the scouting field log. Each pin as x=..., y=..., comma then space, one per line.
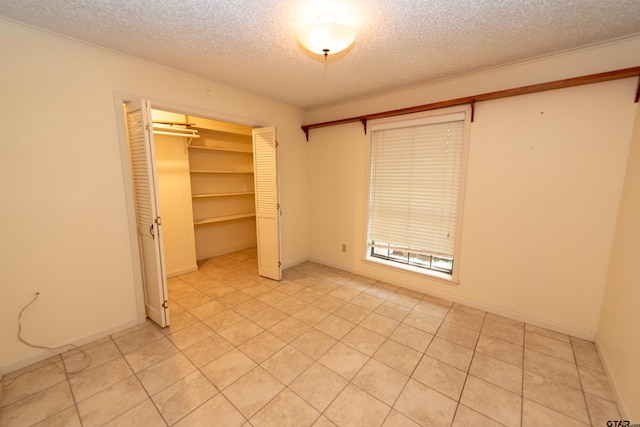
x=199, y=188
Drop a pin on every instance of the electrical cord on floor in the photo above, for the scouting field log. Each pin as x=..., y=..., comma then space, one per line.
x=44, y=347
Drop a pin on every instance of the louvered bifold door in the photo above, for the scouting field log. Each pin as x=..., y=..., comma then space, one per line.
x=147, y=204
x=267, y=207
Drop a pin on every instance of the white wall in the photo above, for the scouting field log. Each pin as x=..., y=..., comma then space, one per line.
x=543, y=187
x=64, y=219
x=618, y=336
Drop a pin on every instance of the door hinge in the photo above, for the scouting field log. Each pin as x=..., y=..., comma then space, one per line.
x=277, y=144
x=279, y=264
x=158, y=220
x=165, y=304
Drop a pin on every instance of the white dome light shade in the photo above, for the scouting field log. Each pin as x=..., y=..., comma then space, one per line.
x=326, y=36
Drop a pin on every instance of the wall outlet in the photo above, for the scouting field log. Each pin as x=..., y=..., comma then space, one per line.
x=344, y=247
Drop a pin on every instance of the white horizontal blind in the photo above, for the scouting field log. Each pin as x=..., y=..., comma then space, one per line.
x=415, y=179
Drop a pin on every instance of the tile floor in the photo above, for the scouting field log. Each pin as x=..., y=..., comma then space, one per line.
x=322, y=347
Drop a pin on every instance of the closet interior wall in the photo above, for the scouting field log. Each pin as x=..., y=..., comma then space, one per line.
x=206, y=188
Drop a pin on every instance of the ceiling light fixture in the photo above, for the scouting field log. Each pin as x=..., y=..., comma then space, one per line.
x=326, y=35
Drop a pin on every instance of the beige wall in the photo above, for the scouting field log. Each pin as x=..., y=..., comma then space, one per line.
x=65, y=229
x=597, y=59
x=544, y=180
x=618, y=336
x=172, y=161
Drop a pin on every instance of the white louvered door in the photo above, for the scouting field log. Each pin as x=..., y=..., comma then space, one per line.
x=267, y=206
x=147, y=203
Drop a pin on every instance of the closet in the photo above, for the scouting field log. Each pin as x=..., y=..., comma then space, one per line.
x=222, y=188
x=201, y=188
x=206, y=187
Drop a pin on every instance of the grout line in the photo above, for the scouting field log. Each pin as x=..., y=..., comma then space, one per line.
x=584, y=397
x=135, y=374
x=73, y=395
x=309, y=278
x=466, y=377
x=524, y=334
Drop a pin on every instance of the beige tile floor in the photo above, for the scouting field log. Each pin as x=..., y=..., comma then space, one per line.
x=322, y=347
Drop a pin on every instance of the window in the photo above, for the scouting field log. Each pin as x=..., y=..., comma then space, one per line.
x=417, y=172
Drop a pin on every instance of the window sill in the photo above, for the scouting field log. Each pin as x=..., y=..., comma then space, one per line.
x=416, y=271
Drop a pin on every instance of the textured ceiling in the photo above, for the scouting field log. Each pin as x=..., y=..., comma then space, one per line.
x=251, y=44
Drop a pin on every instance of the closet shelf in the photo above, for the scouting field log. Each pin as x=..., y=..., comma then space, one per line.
x=200, y=147
x=243, y=193
x=223, y=218
x=204, y=171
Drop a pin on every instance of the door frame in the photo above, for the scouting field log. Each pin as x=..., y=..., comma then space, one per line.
x=121, y=98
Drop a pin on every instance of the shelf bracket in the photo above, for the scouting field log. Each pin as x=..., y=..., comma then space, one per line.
x=638, y=91
x=364, y=123
x=305, y=129
x=473, y=109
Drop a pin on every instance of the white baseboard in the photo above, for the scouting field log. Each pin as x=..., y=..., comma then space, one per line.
x=227, y=250
x=294, y=263
x=514, y=315
x=521, y=317
x=624, y=412
x=40, y=355
x=182, y=271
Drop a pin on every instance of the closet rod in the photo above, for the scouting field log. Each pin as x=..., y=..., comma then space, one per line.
x=523, y=90
x=183, y=135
